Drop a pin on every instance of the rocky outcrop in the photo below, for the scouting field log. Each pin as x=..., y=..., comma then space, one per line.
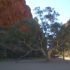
x=12, y=11
x=67, y=23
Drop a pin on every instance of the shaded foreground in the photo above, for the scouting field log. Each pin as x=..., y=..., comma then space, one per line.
x=56, y=64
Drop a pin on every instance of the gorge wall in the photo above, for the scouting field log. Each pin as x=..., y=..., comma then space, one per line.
x=12, y=11
x=67, y=23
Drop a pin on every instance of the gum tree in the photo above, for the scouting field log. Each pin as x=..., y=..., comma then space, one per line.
x=46, y=17
x=28, y=32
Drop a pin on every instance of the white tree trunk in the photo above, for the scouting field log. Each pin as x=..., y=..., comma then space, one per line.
x=49, y=53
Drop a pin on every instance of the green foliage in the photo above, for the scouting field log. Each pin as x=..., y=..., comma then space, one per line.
x=15, y=34
x=47, y=13
x=32, y=39
x=33, y=29
x=46, y=16
x=30, y=23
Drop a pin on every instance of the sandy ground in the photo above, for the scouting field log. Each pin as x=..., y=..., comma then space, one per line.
x=55, y=64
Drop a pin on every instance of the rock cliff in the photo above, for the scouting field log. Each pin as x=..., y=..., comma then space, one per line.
x=67, y=23
x=12, y=11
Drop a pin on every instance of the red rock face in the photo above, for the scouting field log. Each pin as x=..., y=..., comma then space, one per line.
x=67, y=23
x=12, y=11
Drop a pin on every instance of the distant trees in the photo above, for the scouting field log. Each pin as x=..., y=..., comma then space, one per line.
x=66, y=39
x=59, y=38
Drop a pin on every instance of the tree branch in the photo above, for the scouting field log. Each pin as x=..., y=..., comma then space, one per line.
x=30, y=46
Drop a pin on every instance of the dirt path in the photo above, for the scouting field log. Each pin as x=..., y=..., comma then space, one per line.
x=56, y=64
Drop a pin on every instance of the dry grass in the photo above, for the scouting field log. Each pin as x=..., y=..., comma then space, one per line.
x=66, y=58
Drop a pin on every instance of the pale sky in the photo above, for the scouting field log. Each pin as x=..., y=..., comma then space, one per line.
x=61, y=6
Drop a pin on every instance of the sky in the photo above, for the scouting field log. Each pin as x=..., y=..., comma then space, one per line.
x=61, y=6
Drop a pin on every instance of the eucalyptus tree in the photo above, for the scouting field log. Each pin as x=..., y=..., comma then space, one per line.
x=66, y=44
x=46, y=17
x=60, y=36
x=56, y=33
x=28, y=32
